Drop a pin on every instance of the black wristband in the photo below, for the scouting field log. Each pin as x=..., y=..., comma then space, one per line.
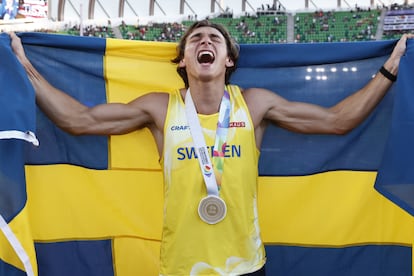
x=387, y=74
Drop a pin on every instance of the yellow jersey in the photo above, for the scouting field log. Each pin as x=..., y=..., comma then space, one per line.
x=190, y=246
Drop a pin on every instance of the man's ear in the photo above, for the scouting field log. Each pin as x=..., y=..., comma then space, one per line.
x=229, y=62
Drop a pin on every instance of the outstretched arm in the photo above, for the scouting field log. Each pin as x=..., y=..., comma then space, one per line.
x=338, y=119
x=76, y=118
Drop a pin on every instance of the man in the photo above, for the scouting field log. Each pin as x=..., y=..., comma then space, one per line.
x=210, y=215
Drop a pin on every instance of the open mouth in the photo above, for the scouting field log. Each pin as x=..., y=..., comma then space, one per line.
x=205, y=57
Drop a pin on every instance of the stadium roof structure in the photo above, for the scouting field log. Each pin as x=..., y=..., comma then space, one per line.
x=61, y=10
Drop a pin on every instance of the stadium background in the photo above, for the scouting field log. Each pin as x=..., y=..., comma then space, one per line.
x=249, y=21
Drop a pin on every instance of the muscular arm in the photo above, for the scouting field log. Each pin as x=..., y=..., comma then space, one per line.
x=76, y=118
x=308, y=118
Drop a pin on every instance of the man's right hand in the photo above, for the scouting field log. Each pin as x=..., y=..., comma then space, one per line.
x=17, y=47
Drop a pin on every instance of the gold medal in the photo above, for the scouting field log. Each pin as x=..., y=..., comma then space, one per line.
x=212, y=209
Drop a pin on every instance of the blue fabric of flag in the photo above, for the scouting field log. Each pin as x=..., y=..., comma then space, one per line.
x=283, y=260
x=18, y=113
x=12, y=178
x=17, y=95
x=395, y=175
x=78, y=70
x=7, y=269
x=322, y=74
x=17, y=127
x=92, y=258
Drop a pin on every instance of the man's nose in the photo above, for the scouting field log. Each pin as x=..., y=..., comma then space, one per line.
x=206, y=40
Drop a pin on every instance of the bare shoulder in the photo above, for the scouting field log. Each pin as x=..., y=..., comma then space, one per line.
x=256, y=92
x=259, y=96
x=152, y=100
x=256, y=102
x=250, y=92
x=152, y=105
x=157, y=96
x=261, y=101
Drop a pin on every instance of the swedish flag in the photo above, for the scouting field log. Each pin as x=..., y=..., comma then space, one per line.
x=94, y=203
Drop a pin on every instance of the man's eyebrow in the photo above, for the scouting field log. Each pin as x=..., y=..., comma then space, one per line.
x=215, y=35
x=195, y=35
x=198, y=34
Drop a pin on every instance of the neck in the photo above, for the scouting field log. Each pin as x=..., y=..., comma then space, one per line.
x=207, y=97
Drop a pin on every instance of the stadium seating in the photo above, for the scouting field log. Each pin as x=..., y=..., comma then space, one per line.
x=276, y=27
x=245, y=29
x=90, y=30
x=336, y=26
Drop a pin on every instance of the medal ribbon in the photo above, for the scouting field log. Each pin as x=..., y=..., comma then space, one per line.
x=212, y=177
x=220, y=142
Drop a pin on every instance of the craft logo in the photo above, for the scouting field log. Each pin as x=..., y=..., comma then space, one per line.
x=179, y=128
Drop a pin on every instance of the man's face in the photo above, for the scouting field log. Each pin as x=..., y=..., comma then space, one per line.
x=205, y=55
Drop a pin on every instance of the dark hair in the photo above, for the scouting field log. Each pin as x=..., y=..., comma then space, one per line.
x=232, y=48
